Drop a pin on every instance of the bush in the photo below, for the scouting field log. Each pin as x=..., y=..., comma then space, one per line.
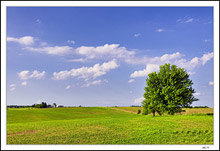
x=138, y=111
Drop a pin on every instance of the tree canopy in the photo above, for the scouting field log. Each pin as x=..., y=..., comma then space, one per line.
x=168, y=91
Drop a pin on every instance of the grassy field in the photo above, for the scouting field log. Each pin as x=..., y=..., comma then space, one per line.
x=107, y=125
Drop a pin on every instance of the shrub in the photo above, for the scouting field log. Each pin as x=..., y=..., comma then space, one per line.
x=138, y=111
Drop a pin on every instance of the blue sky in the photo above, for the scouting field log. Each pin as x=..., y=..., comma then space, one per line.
x=101, y=56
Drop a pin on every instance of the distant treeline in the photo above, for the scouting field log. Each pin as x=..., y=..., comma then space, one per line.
x=42, y=105
x=198, y=107
x=19, y=106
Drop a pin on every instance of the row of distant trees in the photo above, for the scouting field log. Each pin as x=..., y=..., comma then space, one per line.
x=44, y=105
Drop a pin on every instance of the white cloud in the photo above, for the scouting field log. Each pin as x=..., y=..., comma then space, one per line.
x=37, y=74
x=106, y=51
x=26, y=40
x=206, y=57
x=71, y=41
x=96, y=82
x=211, y=83
x=38, y=21
x=143, y=73
x=185, y=20
x=179, y=20
x=131, y=80
x=160, y=30
x=189, y=20
x=170, y=57
x=139, y=100
x=206, y=40
x=78, y=60
x=197, y=94
x=195, y=62
x=43, y=43
x=175, y=58
x=137, y=35
x=166, y=58
x=191, y=73
x=68, y=87
x=57, y=50
x=24, y=83
x=87, y=72
x=12, y=87
x=24, y=75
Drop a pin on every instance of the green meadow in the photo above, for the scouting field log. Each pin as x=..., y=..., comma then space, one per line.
x=107, y=125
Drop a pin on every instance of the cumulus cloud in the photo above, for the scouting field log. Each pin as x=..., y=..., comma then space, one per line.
x=170, y=57
x=24, y=75
x=137, y=35
x=26, y=40
x=166, y=58
x=71, y=41
x=175, y=58
x=96, y=82
x=143, y=73
x=206, y=57
x=68, y=87
x=56, y=50
x=188, y=64
x=160, y=30
x=24, y=83
x=139, y=100
x=53, y=50
x=106, y=51
x=194, y=62
x=211, y=83
x=131, y=80
x=87, y=72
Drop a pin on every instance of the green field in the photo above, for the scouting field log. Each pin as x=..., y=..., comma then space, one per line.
x=106, y=125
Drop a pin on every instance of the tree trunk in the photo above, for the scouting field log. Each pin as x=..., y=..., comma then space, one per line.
x=153, y=113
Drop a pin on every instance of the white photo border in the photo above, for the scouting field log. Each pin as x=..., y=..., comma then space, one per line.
x=214, y=4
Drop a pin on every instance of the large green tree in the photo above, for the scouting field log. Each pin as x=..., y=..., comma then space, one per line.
x=168, y=91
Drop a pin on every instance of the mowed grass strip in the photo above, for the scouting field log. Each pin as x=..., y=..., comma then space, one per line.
x=186, y=110
x=103, y=125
